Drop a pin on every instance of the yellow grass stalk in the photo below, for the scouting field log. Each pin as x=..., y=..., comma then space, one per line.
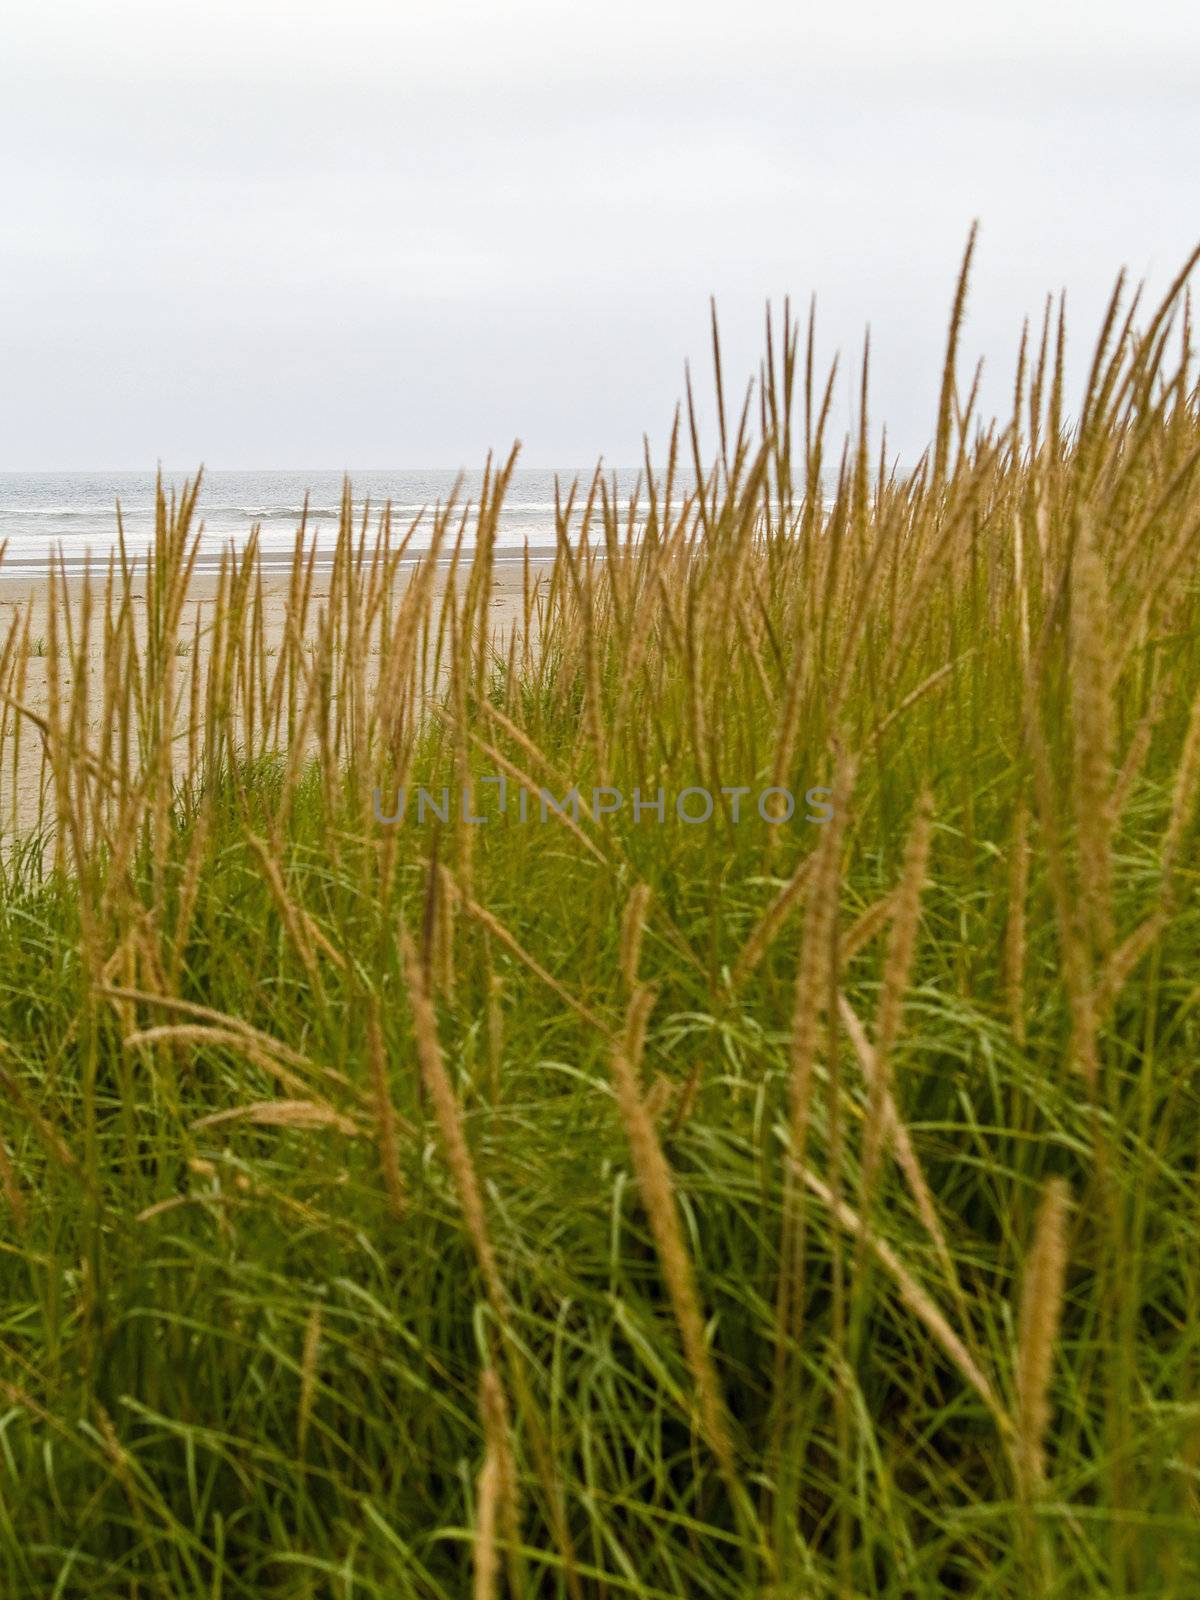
x=1183, y=796
x=813, y=970
x=1120, y=966
x=305, y=933
x=482, y=568
x=633, y=923
x=750, y=640
x=1077, y=967
x=922, y=1305
x=449, y=1120
x=538, y=760
x=695, y=624
x=494, y=926
x=487, y=1565
x=398, y=669
x=1020, y=582
x=1139, y=744
x=941, y=460
x=12, y=1189
x=13, y=692
x=470, y=1200
x=815, y=980
x=450, y=599
x=865, y=927
x=1041, y=1310
x=1014, y=931
x=46, y=1132
x=385, y=1112
x=894, y=1129
x=634, y=654
x=103, y=773
x=266, y=1042
x=923, y=688
x=766, y=929
x=444, y=909
x=585, y=590
x=791, y=711
x=497, y=1431
x=658, y=1097
x=308, y=1375
x=524, y=781
x=658, y=1196
x=1092, y=730
x=119, y=1457
x=176, y=1034
x=462, y=834
x=493, y=1027
x=283, y=1114
x=1157, y=582
x=897, y=970
x=686, y=1102
x=189, y=889
x=637, y=1019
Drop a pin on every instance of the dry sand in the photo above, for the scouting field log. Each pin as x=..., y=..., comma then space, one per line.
x=22, y=777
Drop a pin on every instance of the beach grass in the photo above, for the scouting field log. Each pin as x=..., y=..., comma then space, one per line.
x=577, y=1204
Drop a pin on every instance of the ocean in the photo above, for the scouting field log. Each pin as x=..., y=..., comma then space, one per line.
x=75, y=512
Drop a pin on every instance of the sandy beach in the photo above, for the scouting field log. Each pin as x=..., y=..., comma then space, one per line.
x=25, y=606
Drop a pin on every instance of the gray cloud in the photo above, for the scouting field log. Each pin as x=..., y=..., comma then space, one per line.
x=369, y=235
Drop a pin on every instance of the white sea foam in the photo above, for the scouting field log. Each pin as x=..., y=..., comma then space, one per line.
x=76, y=513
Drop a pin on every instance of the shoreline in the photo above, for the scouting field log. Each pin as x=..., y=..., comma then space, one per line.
x=273, y=563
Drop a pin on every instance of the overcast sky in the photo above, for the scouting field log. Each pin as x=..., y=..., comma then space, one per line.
x=355, y=234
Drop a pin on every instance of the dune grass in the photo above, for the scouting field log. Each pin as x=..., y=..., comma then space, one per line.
x=614, y=1206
